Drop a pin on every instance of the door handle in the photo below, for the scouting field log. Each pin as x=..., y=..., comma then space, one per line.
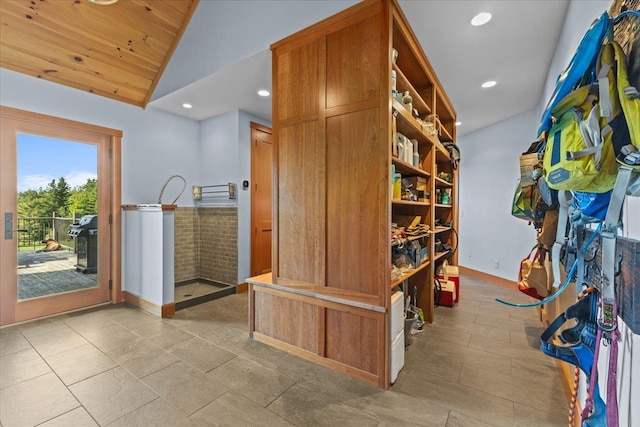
x=8, y=225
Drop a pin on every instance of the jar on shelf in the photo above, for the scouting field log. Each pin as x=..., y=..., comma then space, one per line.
x=407, y=101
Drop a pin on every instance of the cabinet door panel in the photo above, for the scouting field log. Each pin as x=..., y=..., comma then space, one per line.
x=297, y=81
x=353, y=63
x=292, y=322
x=301, y=204
x=354, y=340
x=357, y=203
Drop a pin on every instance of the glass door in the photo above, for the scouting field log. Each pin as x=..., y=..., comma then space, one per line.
x=55, y=250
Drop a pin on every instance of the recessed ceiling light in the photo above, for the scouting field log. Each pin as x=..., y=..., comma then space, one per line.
x=481, y=19
x=458, y=123
x=103, y=2
x=490, y=83
x=187, y=105
x=263, y=92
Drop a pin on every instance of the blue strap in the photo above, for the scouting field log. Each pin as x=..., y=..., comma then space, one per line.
x=625, y=13
x=566, y=282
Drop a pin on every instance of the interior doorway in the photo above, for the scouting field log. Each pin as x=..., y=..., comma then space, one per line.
x=261, y=201
x=59, y=181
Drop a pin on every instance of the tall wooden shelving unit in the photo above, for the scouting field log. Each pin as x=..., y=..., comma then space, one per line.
x=328, y=296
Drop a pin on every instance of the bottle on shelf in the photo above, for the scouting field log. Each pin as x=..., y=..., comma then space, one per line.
x=446, y=199
x=400, y=144
x=408, y=151
x=393, y=83
x=397, y=186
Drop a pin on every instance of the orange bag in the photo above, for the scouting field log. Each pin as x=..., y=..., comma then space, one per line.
x=532, y=279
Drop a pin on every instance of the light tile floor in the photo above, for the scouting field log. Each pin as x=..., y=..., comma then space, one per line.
x=478, y=364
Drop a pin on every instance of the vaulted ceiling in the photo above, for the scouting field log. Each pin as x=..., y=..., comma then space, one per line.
x=118, y=50
x=122, y=50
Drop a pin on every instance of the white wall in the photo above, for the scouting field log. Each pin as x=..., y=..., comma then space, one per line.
x=489, y=170
x=155, y=144
x=248, y=26
x=225, y=156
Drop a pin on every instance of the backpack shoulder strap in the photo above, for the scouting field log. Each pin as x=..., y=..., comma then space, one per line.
x=629, y=96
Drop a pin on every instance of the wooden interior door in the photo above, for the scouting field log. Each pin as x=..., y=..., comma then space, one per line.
x=261, y=178
x=13, y=306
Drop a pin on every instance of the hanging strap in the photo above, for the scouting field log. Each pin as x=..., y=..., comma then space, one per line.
x=593, y=379
x=609, y=232
x=612, y=381
x=592, y=137
x=580, y=272
x=565, y=199
x=606, y=110
x=609, y=320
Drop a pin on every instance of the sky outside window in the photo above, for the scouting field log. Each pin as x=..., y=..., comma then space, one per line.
x=42, y=159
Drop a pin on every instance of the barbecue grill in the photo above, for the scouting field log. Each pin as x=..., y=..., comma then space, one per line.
x=85, y=232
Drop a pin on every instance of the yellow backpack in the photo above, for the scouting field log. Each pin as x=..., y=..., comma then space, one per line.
x=590, y=127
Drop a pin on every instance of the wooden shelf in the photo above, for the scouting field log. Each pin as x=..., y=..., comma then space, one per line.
x=442, y=154
x=346, y=93
x=447, y=136
x=410, y=274
x=439, y=255
x=441, y=230
x=408, y=169
x=440, y=205
x=409, y=202
x=409, y=127
x=327, y=293
x=441, y=183
x=403, y=85
x=411, y=238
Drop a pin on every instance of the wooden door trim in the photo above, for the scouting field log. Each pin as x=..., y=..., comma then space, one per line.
x=261, y=128
x=258, y=126
x=112, y=139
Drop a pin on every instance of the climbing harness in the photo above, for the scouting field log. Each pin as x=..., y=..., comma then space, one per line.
x=581, y=338
x=580, y=348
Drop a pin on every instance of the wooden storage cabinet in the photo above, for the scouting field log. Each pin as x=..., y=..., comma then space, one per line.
x=328, y=297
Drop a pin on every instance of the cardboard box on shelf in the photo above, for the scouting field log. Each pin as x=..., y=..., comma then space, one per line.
x=417, y=183
x=416, y=186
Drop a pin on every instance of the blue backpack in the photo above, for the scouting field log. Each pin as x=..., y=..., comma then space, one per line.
x=583, y=59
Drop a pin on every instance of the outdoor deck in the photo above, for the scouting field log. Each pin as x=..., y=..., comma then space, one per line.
x=47, y=273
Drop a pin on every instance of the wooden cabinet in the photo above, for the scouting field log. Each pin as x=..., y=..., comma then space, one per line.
x=328, y=296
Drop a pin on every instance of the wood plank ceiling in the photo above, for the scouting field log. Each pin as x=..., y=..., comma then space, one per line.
x=118, y=51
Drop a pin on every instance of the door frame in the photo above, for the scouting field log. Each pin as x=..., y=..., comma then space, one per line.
x=110, y=141
x=255, y=127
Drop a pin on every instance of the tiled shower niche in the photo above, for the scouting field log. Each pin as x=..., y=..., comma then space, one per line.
x=206, y=254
